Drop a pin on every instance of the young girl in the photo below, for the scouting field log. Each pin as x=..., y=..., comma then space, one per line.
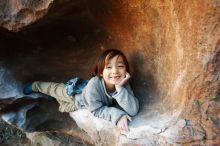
x=107, y=95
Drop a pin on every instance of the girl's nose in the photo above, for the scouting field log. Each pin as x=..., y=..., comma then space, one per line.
x=114, y=69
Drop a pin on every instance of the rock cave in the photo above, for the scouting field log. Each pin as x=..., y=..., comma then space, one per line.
x=173, y=48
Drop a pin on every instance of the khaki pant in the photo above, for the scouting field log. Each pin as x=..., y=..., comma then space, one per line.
x=58, y=91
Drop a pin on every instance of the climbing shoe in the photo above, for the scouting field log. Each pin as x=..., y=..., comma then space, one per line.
x=28, y=89
x=50, y=98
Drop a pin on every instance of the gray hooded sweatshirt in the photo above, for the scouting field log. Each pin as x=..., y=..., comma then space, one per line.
x=99, y=102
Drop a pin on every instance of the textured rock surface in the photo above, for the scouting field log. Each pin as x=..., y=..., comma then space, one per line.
x=173, y=47
x=15, y=14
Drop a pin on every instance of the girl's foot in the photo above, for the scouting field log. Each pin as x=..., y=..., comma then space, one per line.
x=28, y=89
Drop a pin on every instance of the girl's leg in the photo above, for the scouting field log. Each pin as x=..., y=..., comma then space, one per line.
x=58, y=91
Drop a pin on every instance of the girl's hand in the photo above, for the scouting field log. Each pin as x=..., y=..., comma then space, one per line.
x=123, y=81
x=123, y=123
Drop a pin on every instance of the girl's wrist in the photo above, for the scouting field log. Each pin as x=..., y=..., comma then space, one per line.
x=118, y=88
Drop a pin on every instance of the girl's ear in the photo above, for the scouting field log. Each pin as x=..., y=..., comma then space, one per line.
x=101, y=75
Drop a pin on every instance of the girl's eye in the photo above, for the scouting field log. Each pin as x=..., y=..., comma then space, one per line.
x=108, y=67
x=120, y=66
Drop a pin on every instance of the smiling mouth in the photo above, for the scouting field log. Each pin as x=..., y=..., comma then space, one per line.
x=116, y=77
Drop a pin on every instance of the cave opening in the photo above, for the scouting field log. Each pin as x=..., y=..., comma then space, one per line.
x=65, y=43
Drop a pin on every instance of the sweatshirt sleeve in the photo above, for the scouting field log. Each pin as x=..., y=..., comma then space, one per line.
x=111, y=114
x=127, y=101
x=98, y=107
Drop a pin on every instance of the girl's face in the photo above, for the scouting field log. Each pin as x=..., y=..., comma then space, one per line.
x=113, y=72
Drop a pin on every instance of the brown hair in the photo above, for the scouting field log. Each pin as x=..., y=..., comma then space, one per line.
x=105, y=57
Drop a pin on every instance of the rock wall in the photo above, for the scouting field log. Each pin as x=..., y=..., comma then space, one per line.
x=173, y=47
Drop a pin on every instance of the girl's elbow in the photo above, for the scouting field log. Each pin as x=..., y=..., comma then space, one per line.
x=135, y=108
x=134, y=112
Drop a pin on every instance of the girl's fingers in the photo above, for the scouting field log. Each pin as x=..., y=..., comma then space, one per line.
x=123, y=123
x=126, y=127
x=123, y=81
x=129, y=118
x=127, y=75
x=119, y=126
x=122, y=127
